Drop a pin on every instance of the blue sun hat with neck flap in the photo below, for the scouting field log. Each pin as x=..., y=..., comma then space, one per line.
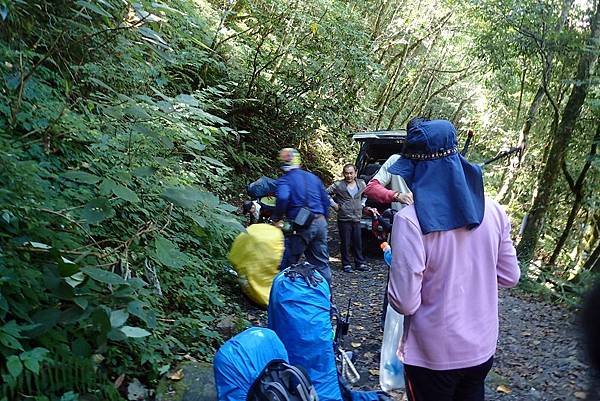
x=447, y=189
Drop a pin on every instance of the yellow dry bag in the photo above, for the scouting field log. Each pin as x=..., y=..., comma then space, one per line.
x=255, y=256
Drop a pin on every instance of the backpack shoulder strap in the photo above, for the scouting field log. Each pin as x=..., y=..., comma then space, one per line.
x=281, y=381
x=305, y=389
x=274, y=391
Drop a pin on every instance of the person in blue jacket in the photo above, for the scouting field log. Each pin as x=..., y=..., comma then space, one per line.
x=299, y=189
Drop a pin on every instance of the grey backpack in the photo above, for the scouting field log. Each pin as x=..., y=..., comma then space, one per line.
x=281, y=381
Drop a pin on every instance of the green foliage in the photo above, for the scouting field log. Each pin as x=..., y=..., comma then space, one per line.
x=58, y=376
x=531, y=48
x=111, y=219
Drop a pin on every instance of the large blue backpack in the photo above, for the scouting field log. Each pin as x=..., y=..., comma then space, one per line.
x=253, y=366
x=300, y=313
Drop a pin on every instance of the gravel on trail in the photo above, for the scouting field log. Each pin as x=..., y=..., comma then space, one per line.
x=539, y=355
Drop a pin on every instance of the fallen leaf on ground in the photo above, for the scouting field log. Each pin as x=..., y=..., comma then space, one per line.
x=581, y=395
x=374, y=372
x=176, y=375
x=355, y=345
x=503, y=389
x=119, y=381
x=227, y=322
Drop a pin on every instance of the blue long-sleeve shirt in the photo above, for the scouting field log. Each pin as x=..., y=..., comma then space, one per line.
x=292, y=189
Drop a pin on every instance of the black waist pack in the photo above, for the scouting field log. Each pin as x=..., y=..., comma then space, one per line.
x=304, y=217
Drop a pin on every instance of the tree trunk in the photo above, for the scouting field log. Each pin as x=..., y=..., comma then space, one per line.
x=515, y=161
x=389, y=98
x=379, y=20
x=441, y=89
x=577, y=189
x=565, y=234
x=285, y=43
x=456, y=114
x=570, y=114
x=387, y=95
x=521, y=90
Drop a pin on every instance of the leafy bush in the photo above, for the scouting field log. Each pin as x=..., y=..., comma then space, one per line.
x=113, y=239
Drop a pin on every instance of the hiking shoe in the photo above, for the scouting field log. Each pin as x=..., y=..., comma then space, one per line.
x=362, y=268
x=348, y=269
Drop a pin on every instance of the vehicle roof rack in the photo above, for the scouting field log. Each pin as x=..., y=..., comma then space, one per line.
x=384, y=134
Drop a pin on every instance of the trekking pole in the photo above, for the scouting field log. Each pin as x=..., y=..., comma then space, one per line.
x=470, y=136
x=348, y=370
x=341, y=326
x=347, y=322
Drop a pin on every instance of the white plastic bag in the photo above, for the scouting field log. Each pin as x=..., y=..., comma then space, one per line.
x=391, y=370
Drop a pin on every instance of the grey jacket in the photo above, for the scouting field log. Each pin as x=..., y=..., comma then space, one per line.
x=351, y=207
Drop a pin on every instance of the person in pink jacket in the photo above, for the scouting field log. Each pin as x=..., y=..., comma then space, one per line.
x=451, y=251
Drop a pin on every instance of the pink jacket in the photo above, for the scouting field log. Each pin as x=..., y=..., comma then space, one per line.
x=376, y=191
x=447, y=284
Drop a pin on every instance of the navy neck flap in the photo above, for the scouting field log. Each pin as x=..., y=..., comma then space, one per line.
x=448, y=190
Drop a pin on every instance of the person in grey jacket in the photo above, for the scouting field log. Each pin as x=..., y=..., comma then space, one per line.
x=349, y=201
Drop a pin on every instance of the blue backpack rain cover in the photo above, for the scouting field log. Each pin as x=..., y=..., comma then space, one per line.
x=241, y=360
x=300, y=314
x=301, y=317
x=262, y=187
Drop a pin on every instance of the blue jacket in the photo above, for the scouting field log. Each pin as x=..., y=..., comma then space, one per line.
x=293, y=187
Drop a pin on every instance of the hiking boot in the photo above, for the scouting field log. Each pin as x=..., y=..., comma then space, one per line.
x=362, y=268
x=347, y=269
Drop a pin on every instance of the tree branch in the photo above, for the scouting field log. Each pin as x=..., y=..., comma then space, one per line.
x=563, y=166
